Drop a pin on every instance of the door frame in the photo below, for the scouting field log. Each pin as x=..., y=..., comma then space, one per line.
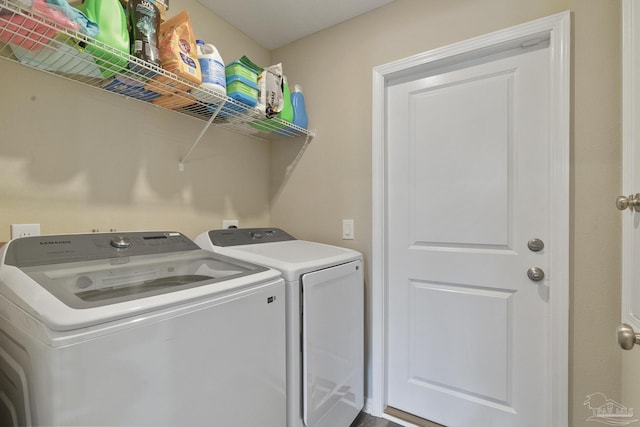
x=558, y=29
x=630, y=106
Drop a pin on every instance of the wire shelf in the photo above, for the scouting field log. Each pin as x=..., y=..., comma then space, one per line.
x=35, y=38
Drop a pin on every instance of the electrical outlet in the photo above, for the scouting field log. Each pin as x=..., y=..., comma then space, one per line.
x=24, y=230
x=229, y=223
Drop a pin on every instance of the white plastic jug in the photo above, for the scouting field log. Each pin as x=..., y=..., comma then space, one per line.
x=212, y=67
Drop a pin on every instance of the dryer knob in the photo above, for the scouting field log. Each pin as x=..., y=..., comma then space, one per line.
x=255, y=235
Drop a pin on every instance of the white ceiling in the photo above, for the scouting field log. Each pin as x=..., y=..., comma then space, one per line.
x=275, y=23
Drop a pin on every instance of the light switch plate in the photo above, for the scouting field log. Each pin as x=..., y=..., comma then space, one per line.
x=348, y=232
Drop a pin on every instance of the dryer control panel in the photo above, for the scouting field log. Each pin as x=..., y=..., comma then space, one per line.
x=248, y=236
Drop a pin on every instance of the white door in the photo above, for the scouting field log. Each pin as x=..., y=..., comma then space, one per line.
x=468, y=217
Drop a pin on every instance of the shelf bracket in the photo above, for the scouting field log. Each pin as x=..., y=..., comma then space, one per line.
x=310, y=135
x=202, y=132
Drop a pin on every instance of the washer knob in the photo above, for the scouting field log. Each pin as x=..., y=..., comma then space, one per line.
x=121, y=242
x=83, y=282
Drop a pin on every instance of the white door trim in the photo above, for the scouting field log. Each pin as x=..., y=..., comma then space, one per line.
x=558, y=29
x=630, y=99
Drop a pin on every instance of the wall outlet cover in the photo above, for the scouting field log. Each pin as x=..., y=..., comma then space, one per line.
x=24, y=230
x=229, y=223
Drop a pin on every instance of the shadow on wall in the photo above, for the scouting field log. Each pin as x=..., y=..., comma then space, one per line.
x=285, y=158
x=101, y=148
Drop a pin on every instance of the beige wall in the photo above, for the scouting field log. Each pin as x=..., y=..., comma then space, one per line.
x=75, y=159
x=596, y=233
x=332, y=180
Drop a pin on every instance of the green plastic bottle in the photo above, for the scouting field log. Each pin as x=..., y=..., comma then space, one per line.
x=287, y=110
x=111, y=18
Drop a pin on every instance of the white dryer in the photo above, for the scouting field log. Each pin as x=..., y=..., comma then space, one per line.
x=325, y=320
x=139, y=329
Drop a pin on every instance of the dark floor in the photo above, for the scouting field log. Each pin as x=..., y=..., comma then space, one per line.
x=366, y=420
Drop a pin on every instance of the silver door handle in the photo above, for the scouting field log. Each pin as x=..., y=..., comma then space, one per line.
x=627, y=337
x=535, y=274
x=632, y=202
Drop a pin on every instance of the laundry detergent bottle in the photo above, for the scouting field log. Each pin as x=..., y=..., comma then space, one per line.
x=299, y=109
x=112, y=20
x=213, y=76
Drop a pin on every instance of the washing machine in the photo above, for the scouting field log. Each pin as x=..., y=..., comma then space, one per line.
x=325, y=320
x=140, y=328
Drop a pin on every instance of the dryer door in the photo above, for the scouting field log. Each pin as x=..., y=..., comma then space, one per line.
x=333, y=345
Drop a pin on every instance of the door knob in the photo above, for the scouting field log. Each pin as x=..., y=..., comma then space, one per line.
x=535, y=273
x=632, y=202
x=627, y=338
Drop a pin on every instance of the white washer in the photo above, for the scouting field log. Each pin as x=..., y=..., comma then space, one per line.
x=140, y=329
x=325, y=320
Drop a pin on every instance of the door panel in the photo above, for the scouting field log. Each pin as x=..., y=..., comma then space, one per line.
x=438, y=154
x=441, y=359
x=468, y=188
x=333, y=345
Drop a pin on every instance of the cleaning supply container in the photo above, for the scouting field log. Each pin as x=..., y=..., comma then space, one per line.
x=112, y=20
x=242, y=83
x=287, y=109
x=299, y=110
x=238, y=69
x=286, y=114
x=144, y=17
x=242, y=90
x=213, y=72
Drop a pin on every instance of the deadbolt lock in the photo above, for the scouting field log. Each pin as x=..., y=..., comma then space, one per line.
x=535, y=245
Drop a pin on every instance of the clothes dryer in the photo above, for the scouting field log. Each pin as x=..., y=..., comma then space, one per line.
x=325, y=320
x=139, y=328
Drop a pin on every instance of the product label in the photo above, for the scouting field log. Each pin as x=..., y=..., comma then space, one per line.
x=144, y=4
x=187, y=60
x=184, y=46
x=212, y=71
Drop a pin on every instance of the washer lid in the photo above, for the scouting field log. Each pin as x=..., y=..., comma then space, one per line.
x=78, y=280
x=293, y=257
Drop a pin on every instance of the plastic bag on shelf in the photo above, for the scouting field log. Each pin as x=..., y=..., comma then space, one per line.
x=59, y=56
x=34, y=31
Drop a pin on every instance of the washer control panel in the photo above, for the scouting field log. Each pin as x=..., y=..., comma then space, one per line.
x=44, y=250
x=248, y=236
